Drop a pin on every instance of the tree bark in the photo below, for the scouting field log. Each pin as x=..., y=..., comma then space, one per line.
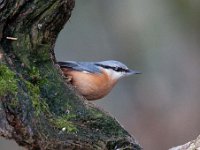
x=37, y=108
x=191, y=145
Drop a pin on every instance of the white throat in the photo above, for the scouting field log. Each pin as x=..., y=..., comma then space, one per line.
x=113, y=74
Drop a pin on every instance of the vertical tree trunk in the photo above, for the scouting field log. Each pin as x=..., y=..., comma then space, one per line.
x=37, y=108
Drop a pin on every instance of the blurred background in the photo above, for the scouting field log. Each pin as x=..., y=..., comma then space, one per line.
x=158, y=37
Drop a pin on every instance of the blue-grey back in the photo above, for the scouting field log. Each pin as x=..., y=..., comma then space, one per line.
x=80, y=66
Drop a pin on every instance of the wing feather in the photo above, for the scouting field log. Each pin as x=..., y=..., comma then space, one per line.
x=80, y=66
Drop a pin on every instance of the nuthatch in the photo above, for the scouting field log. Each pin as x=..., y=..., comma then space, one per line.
x=94, y=80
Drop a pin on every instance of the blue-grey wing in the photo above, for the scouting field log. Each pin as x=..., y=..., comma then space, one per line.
x=80, y=66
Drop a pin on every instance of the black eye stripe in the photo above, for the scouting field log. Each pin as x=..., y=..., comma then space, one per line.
x=119, y=69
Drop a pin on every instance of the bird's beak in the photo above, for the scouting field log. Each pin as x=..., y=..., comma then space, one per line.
x=130, y=72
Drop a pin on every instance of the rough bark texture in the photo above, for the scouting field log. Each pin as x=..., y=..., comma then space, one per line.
x=192, y=145
x=37, y=108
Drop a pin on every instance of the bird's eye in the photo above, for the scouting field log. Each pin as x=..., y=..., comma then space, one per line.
x=119, y=69
x=116, y=68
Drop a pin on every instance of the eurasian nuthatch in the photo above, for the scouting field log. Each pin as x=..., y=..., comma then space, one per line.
x=95, y=80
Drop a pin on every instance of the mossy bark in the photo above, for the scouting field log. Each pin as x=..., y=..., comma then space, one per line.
x=37, y=108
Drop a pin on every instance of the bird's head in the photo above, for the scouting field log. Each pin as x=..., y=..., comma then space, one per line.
x=115, y=69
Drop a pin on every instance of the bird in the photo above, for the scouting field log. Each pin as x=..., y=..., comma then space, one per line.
x=94, y=80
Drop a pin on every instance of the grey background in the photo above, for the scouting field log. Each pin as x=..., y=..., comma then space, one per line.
x=159, y=37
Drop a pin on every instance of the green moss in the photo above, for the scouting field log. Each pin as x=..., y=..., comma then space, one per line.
x=40, y=106
x=38, y=103
x=100, y=120
x=21, y=46
x=33, y=86
x=35, y=77
x=34, y=73
x=96, y=113
x=63, y=123
x=8, y=83
x=41, y=53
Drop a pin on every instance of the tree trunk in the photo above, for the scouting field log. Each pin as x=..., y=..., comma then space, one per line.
x=37, y=108
x=191, y=145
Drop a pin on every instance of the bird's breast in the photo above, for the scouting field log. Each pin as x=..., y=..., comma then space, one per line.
x=91, y=86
